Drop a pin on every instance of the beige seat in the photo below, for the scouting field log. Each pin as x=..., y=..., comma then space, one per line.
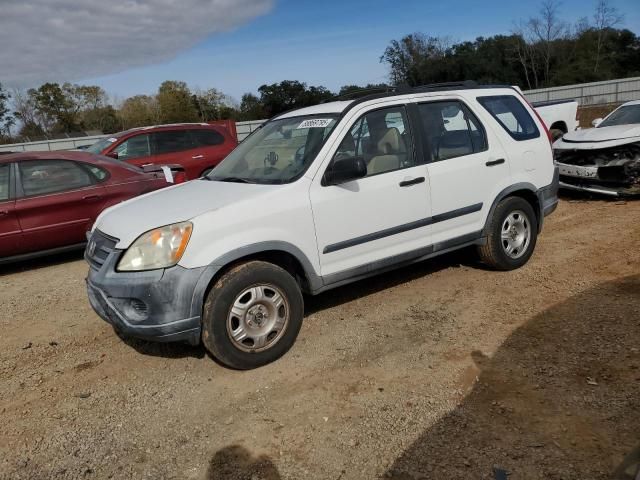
x=391, y=149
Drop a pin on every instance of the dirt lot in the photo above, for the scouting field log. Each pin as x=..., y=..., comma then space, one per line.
x=442, y=370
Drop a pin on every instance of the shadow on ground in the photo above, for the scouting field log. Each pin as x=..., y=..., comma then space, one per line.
x=560, y=399
x=328, y=299
x=464, y=257
x=42, y=262
x=237, y=463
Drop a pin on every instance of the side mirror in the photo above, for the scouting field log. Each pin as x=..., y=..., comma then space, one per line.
x=596, y=122
x=344, y=170
x=113, y=155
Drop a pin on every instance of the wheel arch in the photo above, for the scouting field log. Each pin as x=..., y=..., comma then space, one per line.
x=526, y=191
x=559, y=125
x=282, y=254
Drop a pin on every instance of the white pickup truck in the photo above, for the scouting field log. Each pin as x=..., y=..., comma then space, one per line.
x=560, y=116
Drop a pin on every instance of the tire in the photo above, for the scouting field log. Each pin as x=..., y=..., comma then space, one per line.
x=252, y=315
x=517, y=216
x=556, y=133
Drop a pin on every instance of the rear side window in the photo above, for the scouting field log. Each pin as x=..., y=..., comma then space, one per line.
x=168, y=142
x=4, y=182
x=512, y=115
x=51, y=176
x=206, y=137
x=451, y=130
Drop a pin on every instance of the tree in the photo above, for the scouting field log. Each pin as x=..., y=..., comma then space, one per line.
x=289, y=94
x=139, y=111
x=175, y=103
x=251, y=108
x=6, y=118
x=605, y=18
x=547, y=29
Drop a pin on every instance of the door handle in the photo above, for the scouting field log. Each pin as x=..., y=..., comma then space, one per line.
x=91, y=197
x=492, y=163
x=195, y=157
x=413, y=181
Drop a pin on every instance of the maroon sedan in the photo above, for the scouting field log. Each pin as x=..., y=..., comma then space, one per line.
x=198, y=147
x=48, y=200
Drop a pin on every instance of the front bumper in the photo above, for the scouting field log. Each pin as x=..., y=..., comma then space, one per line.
x=591, y=179
x=161, y=305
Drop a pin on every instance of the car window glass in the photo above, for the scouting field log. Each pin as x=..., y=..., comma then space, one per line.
x=171, y=141
x=134, y=147
x=381, y=138
x=206, y=137
x=451, y=130
x=4, y=182
x=512, y=115
x=50, y=176
x=98, y=172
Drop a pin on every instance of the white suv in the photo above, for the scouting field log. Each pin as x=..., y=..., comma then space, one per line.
x=317, y=198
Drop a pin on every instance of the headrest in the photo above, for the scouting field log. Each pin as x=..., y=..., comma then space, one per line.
x=391, y=142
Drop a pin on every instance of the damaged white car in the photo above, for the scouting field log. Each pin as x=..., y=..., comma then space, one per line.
x=605, y=159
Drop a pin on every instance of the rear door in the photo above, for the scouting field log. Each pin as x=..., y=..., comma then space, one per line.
x=212, y=145
x=467, y=167
x=176, y=146
x=57, y=202
x=10, y=232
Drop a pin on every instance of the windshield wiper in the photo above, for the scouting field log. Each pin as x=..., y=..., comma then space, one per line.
x=230, y=179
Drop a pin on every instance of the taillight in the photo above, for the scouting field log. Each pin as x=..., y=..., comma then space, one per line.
x=179, y=177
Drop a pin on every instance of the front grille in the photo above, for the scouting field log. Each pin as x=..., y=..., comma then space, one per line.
x=99, y=248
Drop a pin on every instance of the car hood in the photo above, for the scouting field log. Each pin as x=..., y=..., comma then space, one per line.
x=602, y=134
x=130, y=219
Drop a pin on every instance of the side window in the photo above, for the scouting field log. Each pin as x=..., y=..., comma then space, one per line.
x=451, y=130
x=171, y=141
x=382, y=139
x=206, y=137
x=50, y=176
x=4, y=182
x=134, y=147
x=512, y=115
x=98, y=172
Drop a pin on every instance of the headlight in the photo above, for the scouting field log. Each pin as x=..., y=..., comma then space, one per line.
x=159, y=248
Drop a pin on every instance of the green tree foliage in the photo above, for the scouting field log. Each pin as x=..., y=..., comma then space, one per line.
x=175, y=103
x=139, y=111
x=289, y=94
x=6, y=118
x=542, y=51
x=251, y=108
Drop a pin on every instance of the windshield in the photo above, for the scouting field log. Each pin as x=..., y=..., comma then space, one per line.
x=100, y=145
x=623, y=116
x=277, y=153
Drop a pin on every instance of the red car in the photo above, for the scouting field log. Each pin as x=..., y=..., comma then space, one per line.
x=49, y=200
x=198, y=147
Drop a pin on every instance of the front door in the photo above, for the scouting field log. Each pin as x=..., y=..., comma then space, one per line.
x=10, y=233
x=364, y=223
x=60, y=201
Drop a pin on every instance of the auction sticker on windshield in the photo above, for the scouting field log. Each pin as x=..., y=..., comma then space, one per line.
x=315, y=123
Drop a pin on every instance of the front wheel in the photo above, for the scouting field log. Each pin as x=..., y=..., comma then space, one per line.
x=513, y=231
x=252, y=315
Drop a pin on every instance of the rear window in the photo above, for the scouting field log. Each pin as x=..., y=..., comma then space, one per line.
x=512, y=115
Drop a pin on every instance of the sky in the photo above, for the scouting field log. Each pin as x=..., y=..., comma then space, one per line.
x=129, y=47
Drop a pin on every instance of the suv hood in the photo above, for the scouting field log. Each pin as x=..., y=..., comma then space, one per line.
x=130, y=219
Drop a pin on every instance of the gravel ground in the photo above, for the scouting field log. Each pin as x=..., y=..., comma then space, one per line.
x=441, y=370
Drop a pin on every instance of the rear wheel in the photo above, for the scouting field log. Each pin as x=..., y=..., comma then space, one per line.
x=512, y=235
x=252, y=315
